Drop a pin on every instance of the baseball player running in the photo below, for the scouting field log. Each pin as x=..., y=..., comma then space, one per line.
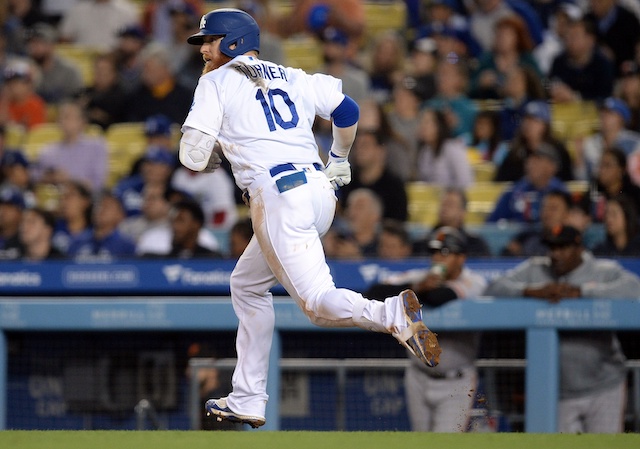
x=259, y=115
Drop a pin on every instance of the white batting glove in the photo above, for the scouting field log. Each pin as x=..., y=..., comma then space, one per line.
x=338, y=171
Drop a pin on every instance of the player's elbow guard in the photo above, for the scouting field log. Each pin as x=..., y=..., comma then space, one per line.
x=196, y=149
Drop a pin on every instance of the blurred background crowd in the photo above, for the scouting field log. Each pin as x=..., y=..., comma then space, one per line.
x=501, y=118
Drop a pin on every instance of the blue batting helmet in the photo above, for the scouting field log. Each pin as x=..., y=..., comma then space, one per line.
x=237, y=27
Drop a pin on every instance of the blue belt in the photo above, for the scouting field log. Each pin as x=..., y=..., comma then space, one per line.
x=289, y=167
x=293, y=180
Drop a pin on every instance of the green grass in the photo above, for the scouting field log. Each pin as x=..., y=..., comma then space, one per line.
x=307, y=440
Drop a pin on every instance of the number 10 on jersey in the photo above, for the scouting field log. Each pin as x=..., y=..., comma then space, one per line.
x=272, y=114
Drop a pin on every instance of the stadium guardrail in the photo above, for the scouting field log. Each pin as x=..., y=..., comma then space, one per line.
x=539, y=320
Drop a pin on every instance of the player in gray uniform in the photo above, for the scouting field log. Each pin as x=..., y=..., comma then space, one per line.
x=259, y=115
x=440, y=399
x=592, y=371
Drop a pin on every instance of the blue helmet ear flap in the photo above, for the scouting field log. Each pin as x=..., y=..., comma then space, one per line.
x=240, y=32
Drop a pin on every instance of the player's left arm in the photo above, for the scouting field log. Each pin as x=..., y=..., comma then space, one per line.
x=198, y=151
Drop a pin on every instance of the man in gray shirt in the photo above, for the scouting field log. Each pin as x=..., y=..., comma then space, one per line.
x=592, y=371
x=440, y=399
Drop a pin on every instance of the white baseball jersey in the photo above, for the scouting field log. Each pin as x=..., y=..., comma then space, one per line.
x=262, y=113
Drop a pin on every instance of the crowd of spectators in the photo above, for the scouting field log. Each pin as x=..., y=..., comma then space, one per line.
x=464, y=82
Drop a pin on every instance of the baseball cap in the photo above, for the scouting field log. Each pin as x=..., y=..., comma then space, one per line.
x=562, y=235
x=538, y=109
x=548, y=151
x=619, y=106
x=157, y=125
x=335, y=36
x=183, y=8
x=42, y=31
x=425, y=45
x=448, y=238
x=571, y=10
x=441, y=29
x=160, y=155
x=452, y=4
x=11, y=195
x=135, y=31
x=17, y=70
x=14, y=157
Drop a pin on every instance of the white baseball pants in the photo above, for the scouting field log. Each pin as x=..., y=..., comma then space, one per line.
x=286, y=248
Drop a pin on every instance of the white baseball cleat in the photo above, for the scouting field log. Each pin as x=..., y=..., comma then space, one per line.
x=219, y=408
x=416, y=337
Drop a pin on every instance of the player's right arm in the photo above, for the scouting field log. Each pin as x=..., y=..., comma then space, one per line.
x=344, y=123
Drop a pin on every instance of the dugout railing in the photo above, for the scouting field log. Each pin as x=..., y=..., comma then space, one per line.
x=341, y=368
x=539, y=320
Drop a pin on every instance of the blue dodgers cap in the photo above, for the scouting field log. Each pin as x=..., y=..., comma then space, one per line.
x=334, y=35
x=13, y=157
x=160, y=155
x=135, y=31
x=538, y=109
x=619, y=106
x=157, y=125
x=452, y=4
x=11, y=195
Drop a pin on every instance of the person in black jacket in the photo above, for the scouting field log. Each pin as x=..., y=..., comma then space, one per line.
x=370, y=171
x=618, y=30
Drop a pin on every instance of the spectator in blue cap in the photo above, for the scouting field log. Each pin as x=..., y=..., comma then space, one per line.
x=156, y=167
x=355, y=81
x=105, y=242
x=157, y=126
x=11, y=207
x=534, y=130
x=613, y=133
x=15, y=172
x=158, y=133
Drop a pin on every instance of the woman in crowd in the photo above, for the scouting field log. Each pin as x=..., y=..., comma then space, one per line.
x=74, y=215
x=442, y=160
x=512, y=47
x=611, y=180
x=621, y=224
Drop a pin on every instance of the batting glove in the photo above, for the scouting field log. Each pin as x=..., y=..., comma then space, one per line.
x=338, y=171
x=214, y=162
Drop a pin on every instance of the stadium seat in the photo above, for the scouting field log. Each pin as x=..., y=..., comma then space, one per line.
x=384, y=16
x=82, y=57
x=126, y=143
x=578, y=187
x=423, y=202
x=15, y=135
x=47, y=196
x=481, y=199
x=302, y=51
x=574, y=120
x=483, y=171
